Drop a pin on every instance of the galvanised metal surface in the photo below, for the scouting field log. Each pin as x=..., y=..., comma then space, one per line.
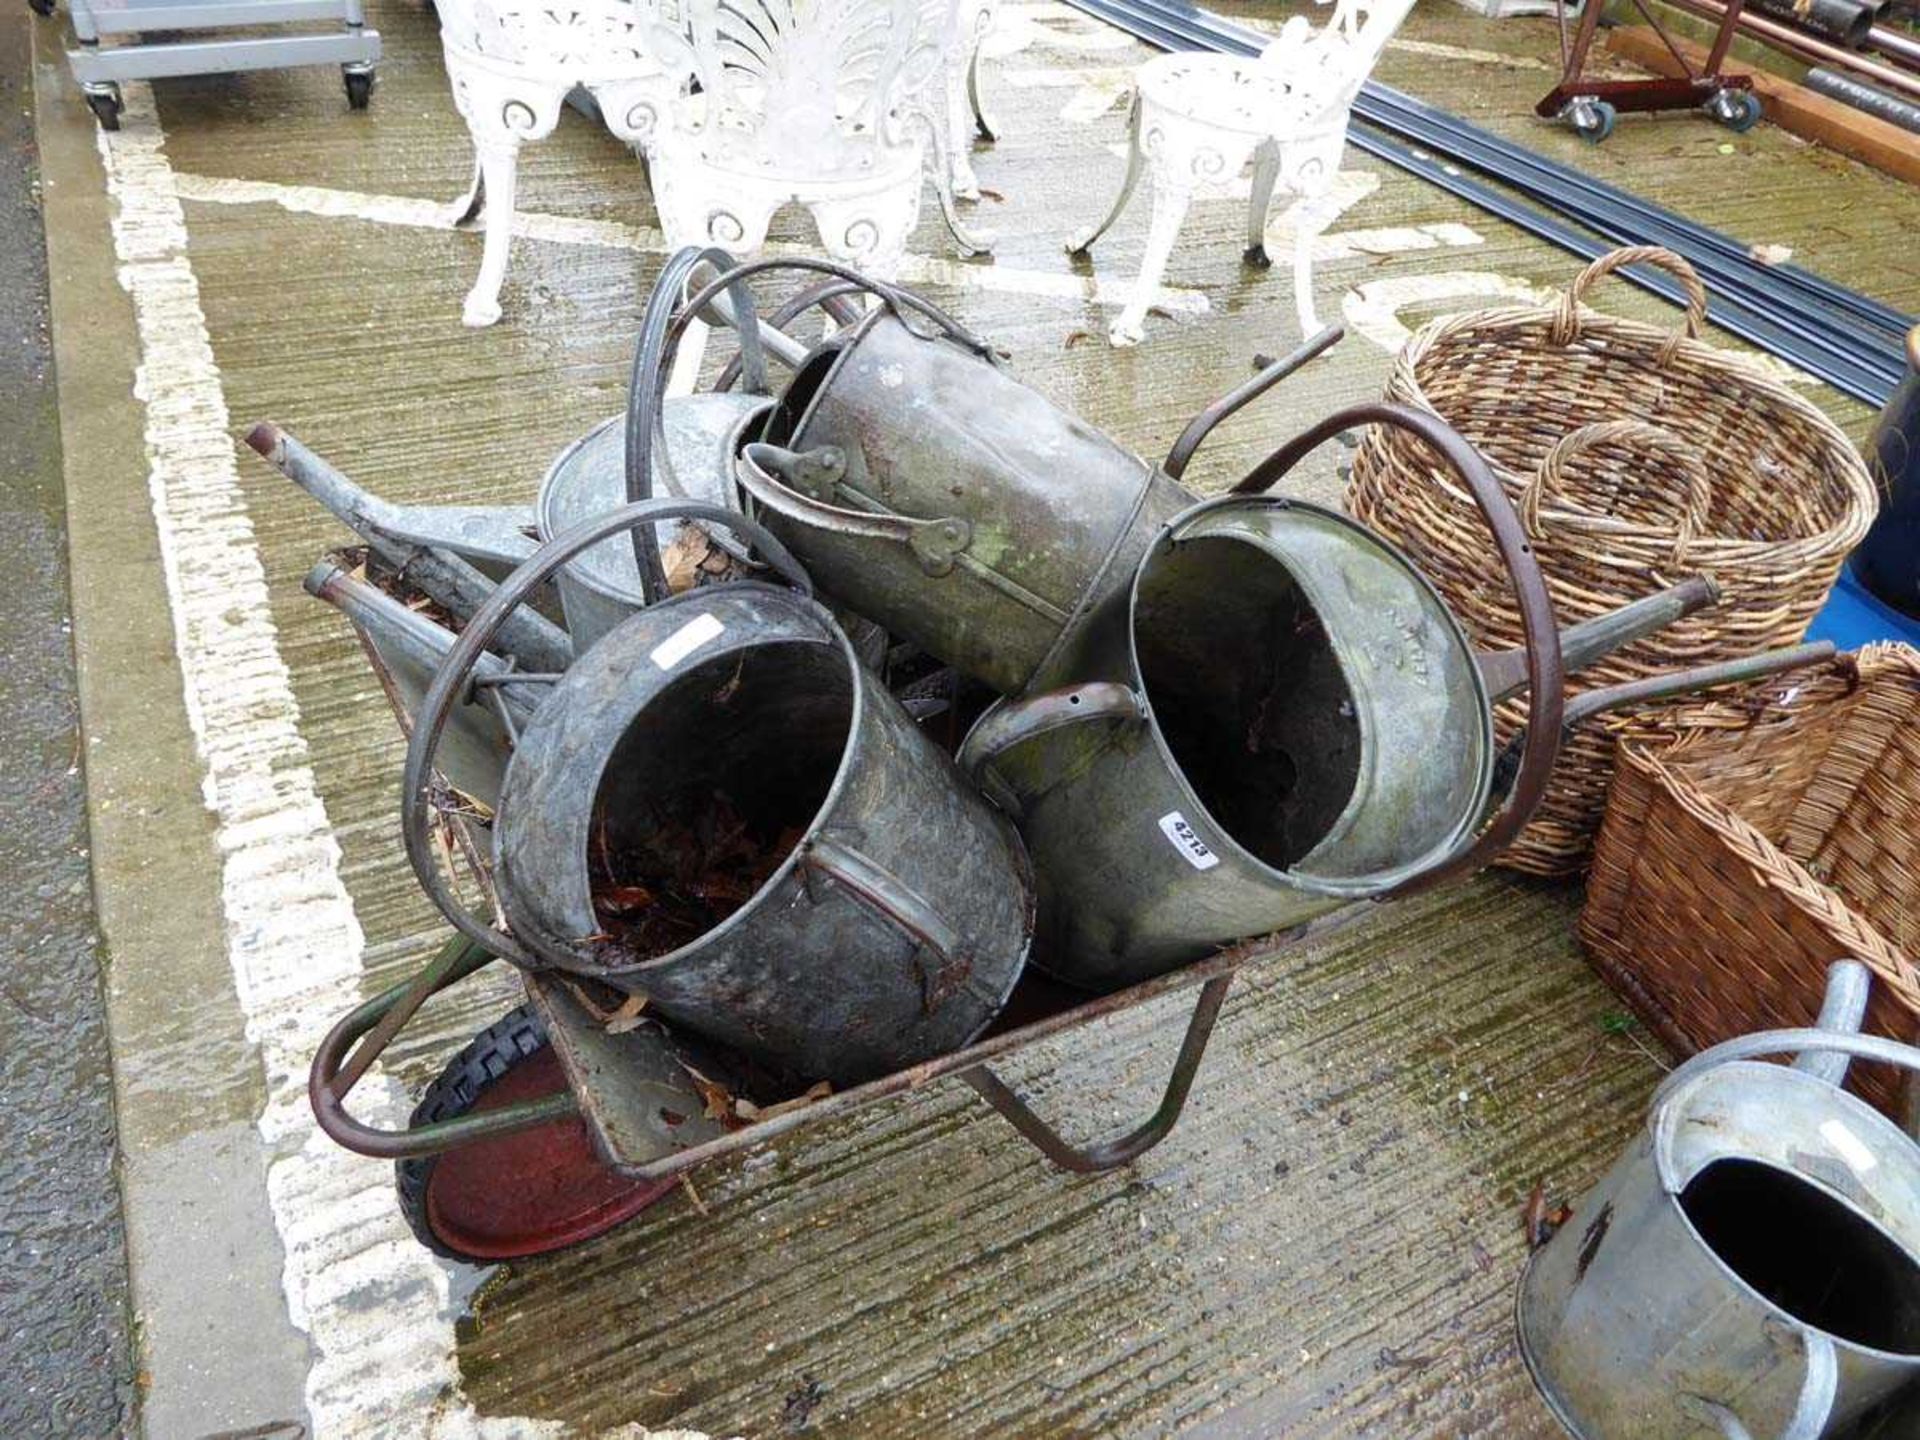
x=1291, y=721
x=1751, y=1265
x=602, y=587
x=900, y=917
x=947, y=501
x=406, y=648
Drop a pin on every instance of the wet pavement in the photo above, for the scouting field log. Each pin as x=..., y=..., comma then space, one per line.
x=63, y=1302
x=1328, y=1245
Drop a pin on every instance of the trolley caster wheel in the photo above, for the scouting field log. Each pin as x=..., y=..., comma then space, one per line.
x=1738, y=110
x=106, y=106
x=41, y=7
x=515, y=1195
x=1592, y=120
x=359, y=85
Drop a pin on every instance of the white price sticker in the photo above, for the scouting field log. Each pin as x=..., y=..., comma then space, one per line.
x=700, y=630
x=1195, y=851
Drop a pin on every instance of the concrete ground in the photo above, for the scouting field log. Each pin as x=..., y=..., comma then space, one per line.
x=63, y=1303
x=1329, y=1243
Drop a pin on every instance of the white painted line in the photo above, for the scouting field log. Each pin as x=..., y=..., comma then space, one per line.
x=1099, y=289
x=373, y=1302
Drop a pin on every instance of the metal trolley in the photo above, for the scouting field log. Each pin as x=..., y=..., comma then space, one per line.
x=208, y=50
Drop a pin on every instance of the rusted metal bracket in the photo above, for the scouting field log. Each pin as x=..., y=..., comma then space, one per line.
x=1119, y=1150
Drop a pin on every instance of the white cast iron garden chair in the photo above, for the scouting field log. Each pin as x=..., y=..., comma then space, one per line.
x=966, y=116
x=1198, y=119
x=832, y=104
x=512, y=64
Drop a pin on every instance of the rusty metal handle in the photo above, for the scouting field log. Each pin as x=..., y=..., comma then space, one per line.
x=450, y=680
x=879, y=890
x=343, y=1058
x=829, y=295
x=1124, y=1148
x=762, y=469
x=1546, y=675
x=1237, y=399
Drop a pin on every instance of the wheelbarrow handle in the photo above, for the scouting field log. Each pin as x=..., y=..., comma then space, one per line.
x=345, y=1056
x=1545, y=670
x=1238, y=398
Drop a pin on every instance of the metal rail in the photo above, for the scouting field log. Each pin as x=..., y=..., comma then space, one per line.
x=1782, y=309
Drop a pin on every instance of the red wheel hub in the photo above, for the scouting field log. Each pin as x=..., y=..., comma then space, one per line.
x=540, y=1190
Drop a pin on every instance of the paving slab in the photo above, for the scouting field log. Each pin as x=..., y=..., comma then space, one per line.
x=1327, y=1246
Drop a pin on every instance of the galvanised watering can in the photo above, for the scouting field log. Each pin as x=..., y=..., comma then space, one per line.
x=1278, y=715
x=1750, y=1268
x=717, y=807
x=953, y=504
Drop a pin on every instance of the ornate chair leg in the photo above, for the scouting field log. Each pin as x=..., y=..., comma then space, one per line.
x=988, y=130
x=466, y=209
x=1136, y=162
x=1266, y=170
x=1303, y=240
x=499, y=162
x=954, y=165
x=1170, y=201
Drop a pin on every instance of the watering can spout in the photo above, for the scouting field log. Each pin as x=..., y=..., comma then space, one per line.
x=1842, y=1011
x=433, y=568
x=1593, y=640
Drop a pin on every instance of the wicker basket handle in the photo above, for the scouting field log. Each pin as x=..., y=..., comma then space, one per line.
x=1549, y=480
x=1566, y=325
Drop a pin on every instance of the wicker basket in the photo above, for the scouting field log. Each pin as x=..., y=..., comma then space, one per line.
x=1636, y=457
x=1738, y=861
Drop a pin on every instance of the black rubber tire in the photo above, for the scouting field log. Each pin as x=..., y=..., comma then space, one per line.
x=106, y=109
x=514, y=1037
x=359, y=85
x=41, y=7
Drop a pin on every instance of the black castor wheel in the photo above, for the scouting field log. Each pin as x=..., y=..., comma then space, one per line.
x=41, y=7
x=359, y=85
x=515, y=1195
x=106, y=107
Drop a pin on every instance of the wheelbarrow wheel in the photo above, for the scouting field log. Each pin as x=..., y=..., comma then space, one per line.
x=516, y=1195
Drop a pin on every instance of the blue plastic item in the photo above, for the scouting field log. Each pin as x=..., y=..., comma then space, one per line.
x=1853, y=617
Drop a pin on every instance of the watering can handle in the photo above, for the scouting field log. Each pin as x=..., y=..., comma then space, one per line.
x=450, y=681
x=1013, y=722
x=936, y=544
x=1810, y=1412
x=1546, y=675
x=888, y=896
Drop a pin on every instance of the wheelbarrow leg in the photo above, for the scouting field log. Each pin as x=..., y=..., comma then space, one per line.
x=1121, y=1149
